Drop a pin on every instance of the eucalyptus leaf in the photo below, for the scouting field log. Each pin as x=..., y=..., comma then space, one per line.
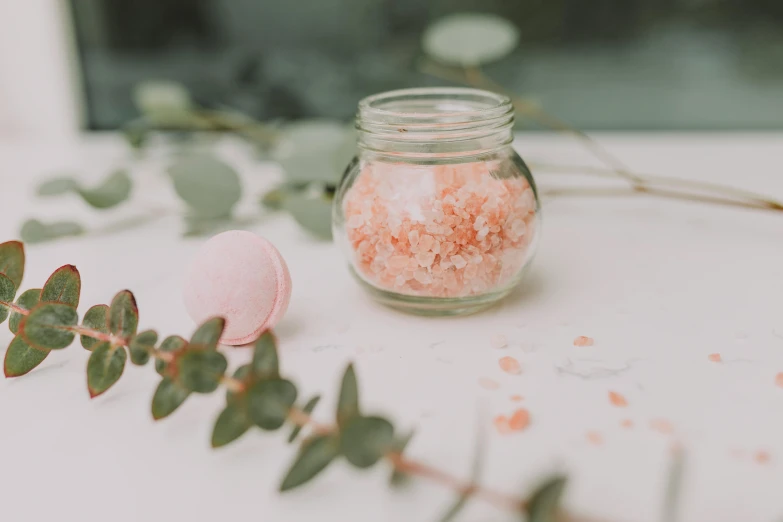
x=168, y=397
x=312, y=213
x=7, y=293
x=315, y=150
x=200, y=370
x=111, y=192
x=47, y=326
x=470, y=39
x=96, y=318
x=543, y=504
x=231, y=424
x=307, y=410
x=27, y=300
x=265, y=360
x=12, y=261
x=57, y=187
x=105, y=367
x=348, y=402
x=34, y=231
x=123, y=315
x=365, y=440
x=20, y=357
x=63, y=286
x=208, y=333
x=269, y=402
x=313, y=457
x=173, y=345
x=209, y=186
x=141, y=347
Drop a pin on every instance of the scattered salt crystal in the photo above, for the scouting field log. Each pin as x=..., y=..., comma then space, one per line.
x=488, y=384
x=519, y=420
x=584, y=341
x=779, y=379
x=715, y=357
x=617, y=400
x=510, y=365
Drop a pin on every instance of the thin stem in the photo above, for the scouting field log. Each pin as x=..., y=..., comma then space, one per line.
x=477, y=78
x=101, y=336
x=15, y=308
x=659, y=192
x=650, y=179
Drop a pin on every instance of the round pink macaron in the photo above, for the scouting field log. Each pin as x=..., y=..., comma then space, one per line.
x=242, y=277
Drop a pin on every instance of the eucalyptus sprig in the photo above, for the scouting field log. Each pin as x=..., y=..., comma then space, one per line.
x=258, y=395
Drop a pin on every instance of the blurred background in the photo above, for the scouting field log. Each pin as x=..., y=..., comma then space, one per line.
x=598, y=64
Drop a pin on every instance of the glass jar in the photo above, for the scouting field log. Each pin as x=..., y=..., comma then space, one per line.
x=437, y=214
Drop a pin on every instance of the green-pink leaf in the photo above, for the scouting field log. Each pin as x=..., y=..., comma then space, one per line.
x=307, y=410
x=172, y=344
x=269, y=402
x=111, y=192
x=208, y=333
x=27, y=300
x=20, y=357
x=123, y=315
x=12, y=261
x=142, y=346
x=168, y=397
x=105, y=367
x=96, y=318
x=544, y=503
x=48, y=326
x=200, y=370
x=265, y=359
x=63, y=286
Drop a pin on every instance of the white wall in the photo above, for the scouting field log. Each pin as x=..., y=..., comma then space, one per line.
x=39, y=97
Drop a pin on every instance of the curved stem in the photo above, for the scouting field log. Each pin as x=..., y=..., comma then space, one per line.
x=659, y=192
x=477, y=78
x=650, y=179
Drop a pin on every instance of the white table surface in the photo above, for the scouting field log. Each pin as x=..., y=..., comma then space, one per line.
x=658, y=284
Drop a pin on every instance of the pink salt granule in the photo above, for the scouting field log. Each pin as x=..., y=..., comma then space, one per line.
x=439, y=231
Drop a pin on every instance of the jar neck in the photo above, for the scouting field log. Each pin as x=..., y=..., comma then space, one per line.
x=435, y=123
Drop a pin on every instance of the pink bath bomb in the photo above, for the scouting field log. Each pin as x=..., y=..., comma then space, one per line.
x=242, y=277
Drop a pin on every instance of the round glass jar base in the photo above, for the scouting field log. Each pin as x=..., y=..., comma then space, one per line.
x=433, y=306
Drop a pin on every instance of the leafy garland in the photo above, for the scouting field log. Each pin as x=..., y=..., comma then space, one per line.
x=45, y=320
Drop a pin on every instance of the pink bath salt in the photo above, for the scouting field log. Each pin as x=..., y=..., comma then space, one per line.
x=242, y=277
x=510, y=365
x=468, y=229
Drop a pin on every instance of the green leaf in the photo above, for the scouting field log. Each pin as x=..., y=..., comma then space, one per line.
x=123, y=315
x=308, y=409
x=27, y=300
x=142, y=346
x=57, y=187
x=315, y=150
x=230, y=425
x=34, y=231
x=172, y=344
x=208, y=334
x=543, y=504
x=105, y=367
x=470, y=39
x=348, y=403
x=63, y=286
x=265, y=360
x=398, y=478
x=111, y=192
x=209, y=186
x=46, y=327
x=96, y=318
x=200, y=371
x=313, y=457
x=269, y=402
x=7, y=293
x=12, y=261
x=314, y=214
x=153, y=97
x=20, y=357
x=168, y=397
x=365, y=440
